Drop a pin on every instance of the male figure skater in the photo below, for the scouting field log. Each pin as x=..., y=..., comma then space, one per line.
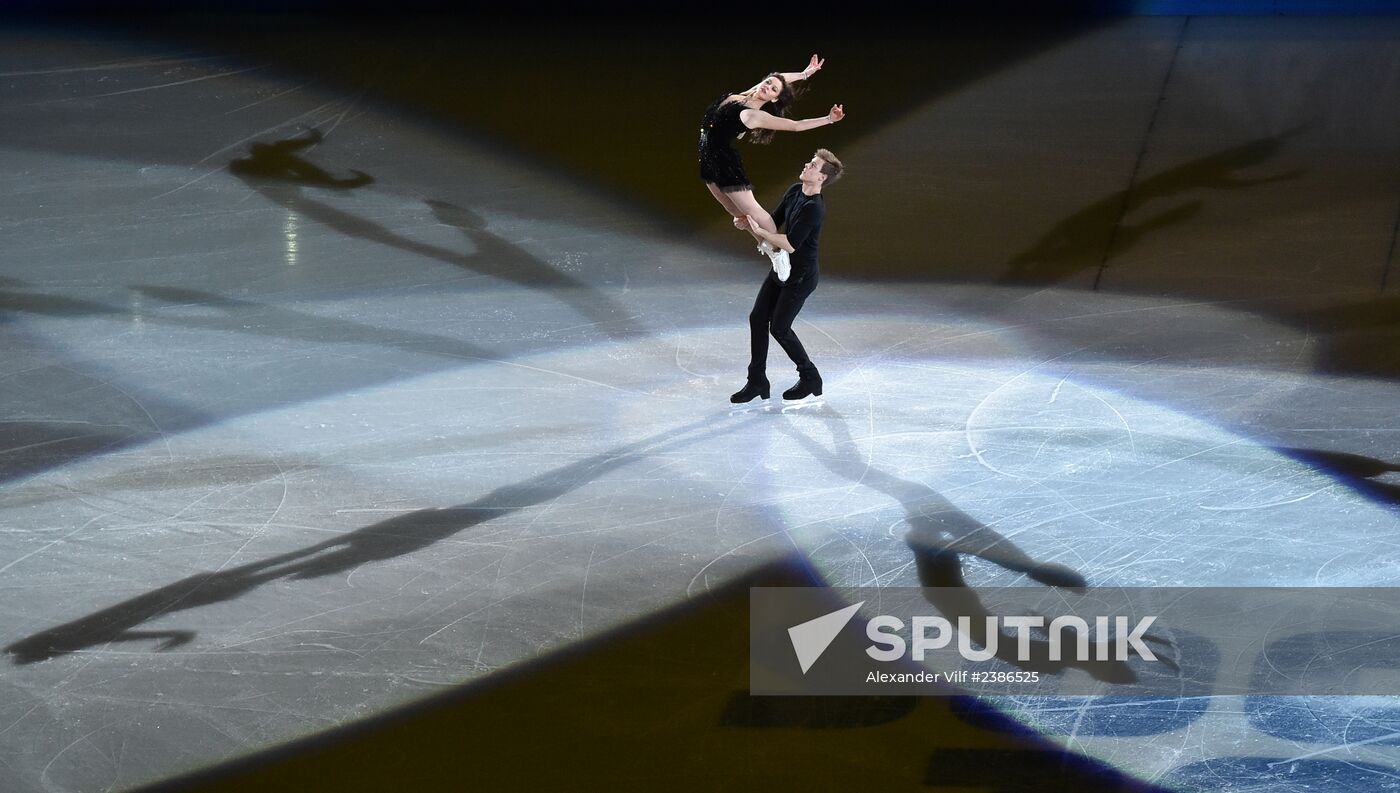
x=799, y=219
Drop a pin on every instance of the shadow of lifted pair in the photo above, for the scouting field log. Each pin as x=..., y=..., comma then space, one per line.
x=939, y=534
x=278, y=172
x=279, y=160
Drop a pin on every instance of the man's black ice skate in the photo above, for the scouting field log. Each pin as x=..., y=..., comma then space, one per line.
x=807, y=385
x=751, y=390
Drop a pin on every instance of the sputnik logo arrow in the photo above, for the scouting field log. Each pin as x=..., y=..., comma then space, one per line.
x=811, y=638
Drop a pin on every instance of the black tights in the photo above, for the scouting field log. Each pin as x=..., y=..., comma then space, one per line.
x=774, y=310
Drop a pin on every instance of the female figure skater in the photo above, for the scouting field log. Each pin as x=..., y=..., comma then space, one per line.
x=759, y=111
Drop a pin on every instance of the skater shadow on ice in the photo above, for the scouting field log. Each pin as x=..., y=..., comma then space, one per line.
x=278, y=161
x=13, y=303
x=1362, y=474
x=282, y=183
x=500, y=258
x=1100, y=231
x=243, y=317
x=939, y=534
x=395, y=537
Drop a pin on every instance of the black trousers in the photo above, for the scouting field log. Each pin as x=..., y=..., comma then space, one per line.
x=774, y=310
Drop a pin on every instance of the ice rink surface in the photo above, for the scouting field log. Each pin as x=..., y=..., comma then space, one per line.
x=319, y=399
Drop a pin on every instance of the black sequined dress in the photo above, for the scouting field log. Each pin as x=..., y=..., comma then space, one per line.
x=719, y=162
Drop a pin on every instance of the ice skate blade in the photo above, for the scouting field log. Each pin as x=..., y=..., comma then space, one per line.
x=754, y=406
x=805, y=403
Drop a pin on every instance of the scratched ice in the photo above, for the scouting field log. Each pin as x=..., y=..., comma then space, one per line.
x=283, y=452
x=1041, y=465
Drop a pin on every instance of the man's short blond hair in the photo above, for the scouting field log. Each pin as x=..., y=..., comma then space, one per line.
x=831, y=167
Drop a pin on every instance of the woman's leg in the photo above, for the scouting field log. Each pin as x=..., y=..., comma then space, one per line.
x=746, y=204
x=723, y=198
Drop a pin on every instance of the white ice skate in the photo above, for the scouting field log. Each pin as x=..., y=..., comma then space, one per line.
x=779, y=257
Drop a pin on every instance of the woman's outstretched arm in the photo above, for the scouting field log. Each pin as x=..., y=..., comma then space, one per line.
x=761, y=119
x=812, y=68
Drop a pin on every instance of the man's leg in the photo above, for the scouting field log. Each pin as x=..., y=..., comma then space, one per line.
x=764, y=305
x=759, y=316
x=785, y=312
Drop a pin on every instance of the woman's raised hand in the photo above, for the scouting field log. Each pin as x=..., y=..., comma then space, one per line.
x=814, y=66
